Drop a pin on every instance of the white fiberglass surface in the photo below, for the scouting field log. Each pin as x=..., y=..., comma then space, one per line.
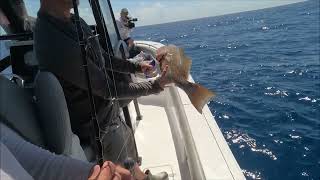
x=211, y=149
x=154, y=138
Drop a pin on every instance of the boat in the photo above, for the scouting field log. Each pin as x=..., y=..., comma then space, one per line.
x=189, y=145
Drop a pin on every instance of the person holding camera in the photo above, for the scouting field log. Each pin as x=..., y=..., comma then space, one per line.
x=125, y=25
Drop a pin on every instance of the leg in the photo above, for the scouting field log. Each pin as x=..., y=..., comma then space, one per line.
x=118, y=145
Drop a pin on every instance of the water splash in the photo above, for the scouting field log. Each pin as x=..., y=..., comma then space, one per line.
x=251, y=175
x=278, y=92
x=225, y=116
x=304, y=174
x=294, y=136
x=305, y=99
x=246, y=140
x=203, y=46
x=163, y=40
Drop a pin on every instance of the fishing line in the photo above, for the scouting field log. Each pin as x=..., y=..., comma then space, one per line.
x=124, y=146
x=94, y=120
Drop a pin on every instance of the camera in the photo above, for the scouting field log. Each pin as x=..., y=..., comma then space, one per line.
x=131, y=22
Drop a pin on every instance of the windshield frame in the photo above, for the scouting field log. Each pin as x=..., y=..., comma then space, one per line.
x=101, y=22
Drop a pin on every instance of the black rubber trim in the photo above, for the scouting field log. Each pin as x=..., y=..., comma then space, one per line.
x=4, y=63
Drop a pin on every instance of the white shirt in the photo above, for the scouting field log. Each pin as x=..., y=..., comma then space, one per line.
x=123, y=30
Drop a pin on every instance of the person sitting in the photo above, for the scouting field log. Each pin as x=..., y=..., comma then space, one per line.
x=23, y=160
x=57, y=50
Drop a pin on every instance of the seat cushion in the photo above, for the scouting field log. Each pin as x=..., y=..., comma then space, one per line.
x=17, y=111
x=55, y=121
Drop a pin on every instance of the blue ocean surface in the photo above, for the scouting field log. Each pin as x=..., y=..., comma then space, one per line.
x=264, y=66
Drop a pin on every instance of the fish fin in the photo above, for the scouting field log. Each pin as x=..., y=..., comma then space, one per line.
x=186, y=66
x=200, y=96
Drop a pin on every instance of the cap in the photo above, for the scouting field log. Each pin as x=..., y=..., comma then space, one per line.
x=124, y=11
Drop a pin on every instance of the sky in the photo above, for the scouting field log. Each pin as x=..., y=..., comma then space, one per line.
x=162, y=11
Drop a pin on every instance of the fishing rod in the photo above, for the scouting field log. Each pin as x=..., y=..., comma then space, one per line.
x=94, y=121
x=106, y=45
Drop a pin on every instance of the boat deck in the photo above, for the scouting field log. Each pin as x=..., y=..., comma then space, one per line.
x=164, y=145
x=154, y=139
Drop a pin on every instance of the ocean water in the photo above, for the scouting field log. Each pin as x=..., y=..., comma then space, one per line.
x=264, y=66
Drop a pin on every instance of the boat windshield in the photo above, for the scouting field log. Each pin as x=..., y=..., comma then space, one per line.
x=4, y=52
x=111, y=28
x=85, y=11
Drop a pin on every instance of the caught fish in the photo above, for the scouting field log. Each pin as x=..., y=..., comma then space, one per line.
x=178, y=71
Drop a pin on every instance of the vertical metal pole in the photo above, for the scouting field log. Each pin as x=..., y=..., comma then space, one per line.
x=127, y=118
x=136, y=106
x=126, y=115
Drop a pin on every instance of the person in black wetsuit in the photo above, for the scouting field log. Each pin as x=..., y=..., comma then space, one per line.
x=58, y=51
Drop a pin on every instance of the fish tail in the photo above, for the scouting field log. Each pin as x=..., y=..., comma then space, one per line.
x=199, y=96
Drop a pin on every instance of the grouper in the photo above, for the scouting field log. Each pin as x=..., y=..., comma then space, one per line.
x=178, y=64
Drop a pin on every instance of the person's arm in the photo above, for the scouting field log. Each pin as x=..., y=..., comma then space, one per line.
x=40, y=163
x=134, y=90
x=121, y=65
x=66, y=63
x=105, y=86
x=10, y=168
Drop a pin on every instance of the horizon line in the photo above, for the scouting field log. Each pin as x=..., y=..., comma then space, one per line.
x=259, y=9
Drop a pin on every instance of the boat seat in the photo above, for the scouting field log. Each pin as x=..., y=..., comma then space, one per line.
x=55, y=121
x=18, y=112
x=23, y=60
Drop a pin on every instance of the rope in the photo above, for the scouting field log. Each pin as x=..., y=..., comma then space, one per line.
x=83, y=45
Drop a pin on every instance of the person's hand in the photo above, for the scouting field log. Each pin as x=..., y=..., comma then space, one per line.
x=163, y=79
x=109, y=171
x=145, y=67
